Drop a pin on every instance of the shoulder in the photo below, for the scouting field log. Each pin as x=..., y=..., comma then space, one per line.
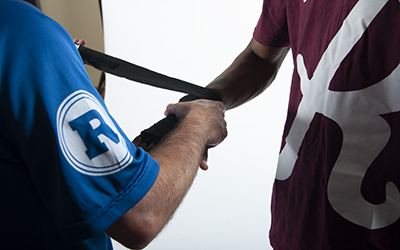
x=26, y=31
x=22, y=23
x=16, y=13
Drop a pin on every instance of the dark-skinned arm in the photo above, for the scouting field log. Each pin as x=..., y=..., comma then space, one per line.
x=249, y=74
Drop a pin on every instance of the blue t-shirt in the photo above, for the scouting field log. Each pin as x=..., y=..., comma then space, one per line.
x=67, y=171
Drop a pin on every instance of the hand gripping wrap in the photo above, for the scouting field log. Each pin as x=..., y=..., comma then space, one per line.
x=159, y=130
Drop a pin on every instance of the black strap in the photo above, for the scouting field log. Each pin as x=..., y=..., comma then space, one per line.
x=159, y=130
x=118, y=67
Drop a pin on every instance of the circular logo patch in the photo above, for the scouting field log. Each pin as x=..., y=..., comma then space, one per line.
x=89, y=140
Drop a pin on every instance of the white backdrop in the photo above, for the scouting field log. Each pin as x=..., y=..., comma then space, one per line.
x=228, y=206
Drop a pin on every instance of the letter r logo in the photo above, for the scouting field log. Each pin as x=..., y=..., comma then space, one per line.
x=88, y=138
x=85, y=126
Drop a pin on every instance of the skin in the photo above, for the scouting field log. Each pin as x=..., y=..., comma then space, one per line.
x=179, y=159
x=249, y=74
x=202, y=121
x=79, y=41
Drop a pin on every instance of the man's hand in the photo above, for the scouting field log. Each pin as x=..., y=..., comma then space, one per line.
x=79, y=41
x=200, y=125
x=207, y=115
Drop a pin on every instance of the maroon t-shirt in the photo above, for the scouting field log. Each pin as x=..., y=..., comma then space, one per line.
x=338, y=176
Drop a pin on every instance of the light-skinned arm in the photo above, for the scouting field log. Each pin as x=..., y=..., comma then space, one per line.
x=201, y=124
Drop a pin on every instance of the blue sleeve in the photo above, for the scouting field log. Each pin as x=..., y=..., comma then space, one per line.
x=85, y=170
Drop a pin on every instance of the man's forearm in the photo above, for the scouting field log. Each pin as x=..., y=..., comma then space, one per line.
x=179, y=156
x=249, y=75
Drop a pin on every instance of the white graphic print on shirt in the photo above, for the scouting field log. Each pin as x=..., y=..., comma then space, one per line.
x=357, y=117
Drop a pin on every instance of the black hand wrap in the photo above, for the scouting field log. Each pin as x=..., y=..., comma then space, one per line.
x=155, y=133
x=118, y=67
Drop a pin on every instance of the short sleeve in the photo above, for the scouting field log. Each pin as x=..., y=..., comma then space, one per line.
x=272, y=28
x=55, y=127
